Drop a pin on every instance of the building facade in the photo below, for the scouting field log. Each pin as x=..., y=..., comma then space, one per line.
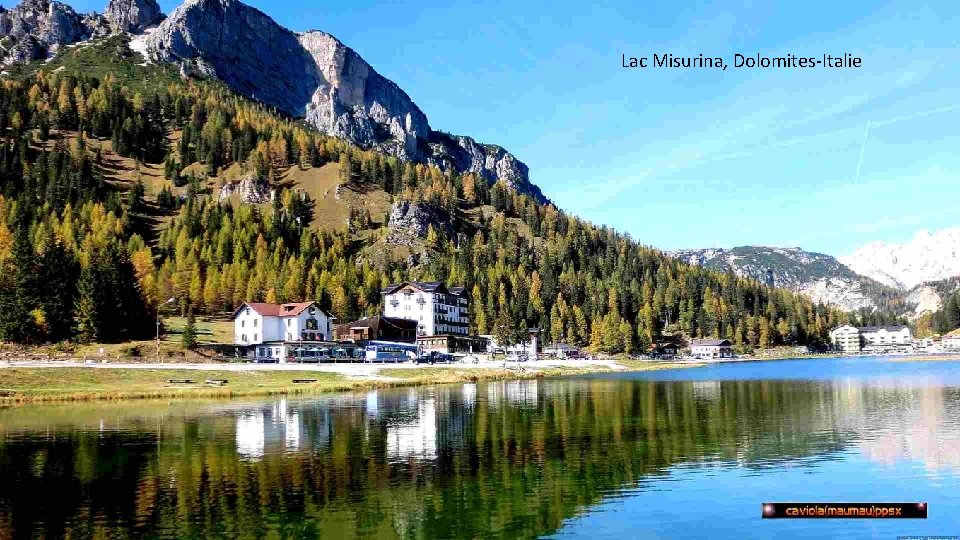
x=846, y=339
x=851, y=339
x=266, y=329
x=951, y=341
x=377, y=328
x=886, y=336
x=711, y=348
x=450, y=344
x=436, y=309
x=531, y=347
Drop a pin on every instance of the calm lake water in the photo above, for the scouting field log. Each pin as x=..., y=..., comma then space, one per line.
x=674, y=454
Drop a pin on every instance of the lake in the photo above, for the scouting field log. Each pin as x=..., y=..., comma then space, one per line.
x=687, y=453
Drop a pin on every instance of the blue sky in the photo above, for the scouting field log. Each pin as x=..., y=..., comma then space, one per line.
x=691, y=158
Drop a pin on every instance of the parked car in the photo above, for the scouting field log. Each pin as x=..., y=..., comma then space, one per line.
x=434, y=357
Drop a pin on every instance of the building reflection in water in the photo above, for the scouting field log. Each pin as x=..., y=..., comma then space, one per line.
x=414, y=437
x=279, y=426
x=915, y=424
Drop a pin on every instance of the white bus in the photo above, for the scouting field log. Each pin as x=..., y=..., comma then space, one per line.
x=388, y=351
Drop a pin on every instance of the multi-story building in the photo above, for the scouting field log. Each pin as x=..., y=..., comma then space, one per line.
x=266, y=330
x=437, y=309
x=850, y=339
x=846, y=339
x=886, y=336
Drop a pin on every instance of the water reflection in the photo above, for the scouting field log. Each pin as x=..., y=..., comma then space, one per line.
x=510, y=458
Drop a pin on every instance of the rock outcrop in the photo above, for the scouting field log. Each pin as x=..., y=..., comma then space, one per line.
x=250, y=188
x=354, y=102
x=315, y=76
x=410, y=222
x=489, y=161
x=35, y=28
x=132, y=16
x=242, y=47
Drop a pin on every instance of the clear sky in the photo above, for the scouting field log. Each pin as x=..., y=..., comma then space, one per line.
x=821, y=159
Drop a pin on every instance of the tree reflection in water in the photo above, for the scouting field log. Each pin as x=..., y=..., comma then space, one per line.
x=504, y=459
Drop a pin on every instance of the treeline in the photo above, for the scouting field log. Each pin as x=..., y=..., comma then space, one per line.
x=947, y=319
x=525, y=264
x=68, y=276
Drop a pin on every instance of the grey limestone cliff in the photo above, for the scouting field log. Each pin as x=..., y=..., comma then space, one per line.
x=34, y=28
x=315, y=76
x=132, y=15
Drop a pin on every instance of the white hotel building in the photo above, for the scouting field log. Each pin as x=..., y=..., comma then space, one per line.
x=274, y=330
x=437, y=310
x=878, y=338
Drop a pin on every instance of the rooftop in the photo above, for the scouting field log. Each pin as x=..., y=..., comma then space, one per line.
x=425, y=286
x=710, y=343
x=290, y=309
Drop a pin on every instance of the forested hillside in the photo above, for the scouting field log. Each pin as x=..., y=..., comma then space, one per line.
x=109, y=204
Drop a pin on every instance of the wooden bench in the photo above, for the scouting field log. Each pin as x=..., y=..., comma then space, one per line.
x=304, y=381
x=217, y=382
x=180, y=381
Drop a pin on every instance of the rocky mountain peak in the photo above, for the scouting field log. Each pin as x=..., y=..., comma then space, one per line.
x=132, y=16
x=315, y=76
x=928, y=256
x=311, y=75
x=355, y=102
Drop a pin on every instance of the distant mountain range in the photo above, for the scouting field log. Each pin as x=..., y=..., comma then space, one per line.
x=927, y=257
x=908, y=279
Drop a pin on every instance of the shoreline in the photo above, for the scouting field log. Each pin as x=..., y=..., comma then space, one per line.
x=64, y=381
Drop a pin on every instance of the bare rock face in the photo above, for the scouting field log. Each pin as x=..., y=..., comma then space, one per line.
x=489, y=161
x=355, y=102
x=132, y=16
x=250, y=188
x=241, y=46
x=315, y=76
x=410, y=222
x=34, y=28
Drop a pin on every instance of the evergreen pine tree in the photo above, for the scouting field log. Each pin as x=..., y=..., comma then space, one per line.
x=190, y=331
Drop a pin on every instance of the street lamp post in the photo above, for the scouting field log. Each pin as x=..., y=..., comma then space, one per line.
x=169, y=301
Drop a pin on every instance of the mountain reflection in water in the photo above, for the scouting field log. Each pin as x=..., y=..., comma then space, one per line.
x=517, y=458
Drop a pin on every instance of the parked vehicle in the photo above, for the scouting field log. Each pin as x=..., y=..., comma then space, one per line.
x=434, y=357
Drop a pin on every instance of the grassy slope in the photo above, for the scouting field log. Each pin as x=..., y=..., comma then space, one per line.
x=39, y=384
x=85, y=383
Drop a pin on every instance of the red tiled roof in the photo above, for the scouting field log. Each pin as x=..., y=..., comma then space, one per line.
x=276, y=310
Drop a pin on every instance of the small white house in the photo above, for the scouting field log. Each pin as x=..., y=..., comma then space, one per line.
x=256, y=323
x=711, y=348
x=530, y=348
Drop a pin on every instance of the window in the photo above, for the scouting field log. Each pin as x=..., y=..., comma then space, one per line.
x=289, y=336
x=255, y=337
x=243, y=338
x=243, y=323
x=255, y=323
x=247, y=311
